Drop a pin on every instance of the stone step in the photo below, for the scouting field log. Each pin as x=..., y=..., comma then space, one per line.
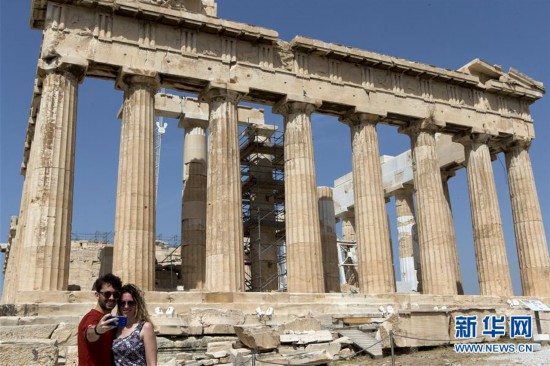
x=366, y=341
x=35, y=320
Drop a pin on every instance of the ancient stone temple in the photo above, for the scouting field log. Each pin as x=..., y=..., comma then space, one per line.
x=455, y=120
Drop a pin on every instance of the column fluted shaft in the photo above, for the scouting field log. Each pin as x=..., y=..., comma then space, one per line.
x=134, y=247
x=490, y=249
x=375, y=264
x=445, y=176
x=47, y=232
x=328, y=239
x=193, y=210
x=409, y=258
x=532, y=247
x=224, y=239
x=15, y=263
x=304, y=261
x=434, y=235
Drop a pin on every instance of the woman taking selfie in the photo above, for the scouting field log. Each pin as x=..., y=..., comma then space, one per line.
x=135, y=343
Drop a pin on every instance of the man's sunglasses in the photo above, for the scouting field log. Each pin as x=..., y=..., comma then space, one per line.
x=108, y=294
x=130, y=304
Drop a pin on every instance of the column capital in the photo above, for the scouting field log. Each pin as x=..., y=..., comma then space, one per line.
x=469, y=138
x=353, y=118
x=224, y=91
x=185, y=122
x=131, y=77
x=514, y=143
x=405, y=189
x=430, y=125
x=296, y=104
x=76, y=67
x=324, y=192
x=447, y=174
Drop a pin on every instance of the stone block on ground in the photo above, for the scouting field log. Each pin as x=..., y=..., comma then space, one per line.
x=261, y=338
x=240, y=356
x=225, y=346
x=215, y=321
x=177, y=326
x=307, y=337
x=332, y=348
x=300, y=325
x=311, y=358
x=218, y=354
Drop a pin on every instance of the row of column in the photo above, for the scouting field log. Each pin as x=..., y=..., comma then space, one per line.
x=43, y=235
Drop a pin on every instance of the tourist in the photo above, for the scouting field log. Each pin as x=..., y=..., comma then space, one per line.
x=96, y=331
x=135, y=344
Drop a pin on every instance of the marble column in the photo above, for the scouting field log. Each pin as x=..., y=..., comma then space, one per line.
x=45, y=248
x=434, y=235
x=304, y=261
x=375, y=265
x=15, y=263
x=263, y=239
x=445, y=176
x=224, y=239
x=532, y=247
x=328, y=239
x=134, y=247
x=193, y=204
x=409, y=256
x=11, y=264
x=491, y=259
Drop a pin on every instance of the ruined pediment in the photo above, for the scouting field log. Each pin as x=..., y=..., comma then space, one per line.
x=487, y=72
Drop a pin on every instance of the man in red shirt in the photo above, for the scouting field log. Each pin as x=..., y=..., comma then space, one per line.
x=95, y=332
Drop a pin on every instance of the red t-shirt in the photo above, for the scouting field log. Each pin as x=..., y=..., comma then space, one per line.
x=96, y=353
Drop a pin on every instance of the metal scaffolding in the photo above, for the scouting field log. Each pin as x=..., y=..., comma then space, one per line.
x=347, y=262
x=262, y=177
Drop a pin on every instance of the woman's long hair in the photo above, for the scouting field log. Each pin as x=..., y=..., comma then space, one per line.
x=142, y=315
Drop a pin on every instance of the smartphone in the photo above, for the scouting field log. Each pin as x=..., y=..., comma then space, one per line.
x=121, y=321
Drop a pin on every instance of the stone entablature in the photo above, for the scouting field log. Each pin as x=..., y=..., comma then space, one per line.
x=144, y=47
x=479, y=97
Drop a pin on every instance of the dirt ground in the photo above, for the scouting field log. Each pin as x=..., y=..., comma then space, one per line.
x=448, y=357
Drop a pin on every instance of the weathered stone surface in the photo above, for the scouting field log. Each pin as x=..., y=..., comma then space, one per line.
x=43, y=331
x=301, y=325
x=218, y=354
x=345, y=353
x=39, y=352
x=184, y=325
x=309, y=358
x=307, y=337
x=182, y=356
x=220, y=321
x=240, y=356
x=65, y=334
x=333, y=348
x=224, y=346
x=260, y=338
x=71, y=355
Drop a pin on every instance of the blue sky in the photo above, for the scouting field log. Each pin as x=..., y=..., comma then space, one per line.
x=447, y=34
